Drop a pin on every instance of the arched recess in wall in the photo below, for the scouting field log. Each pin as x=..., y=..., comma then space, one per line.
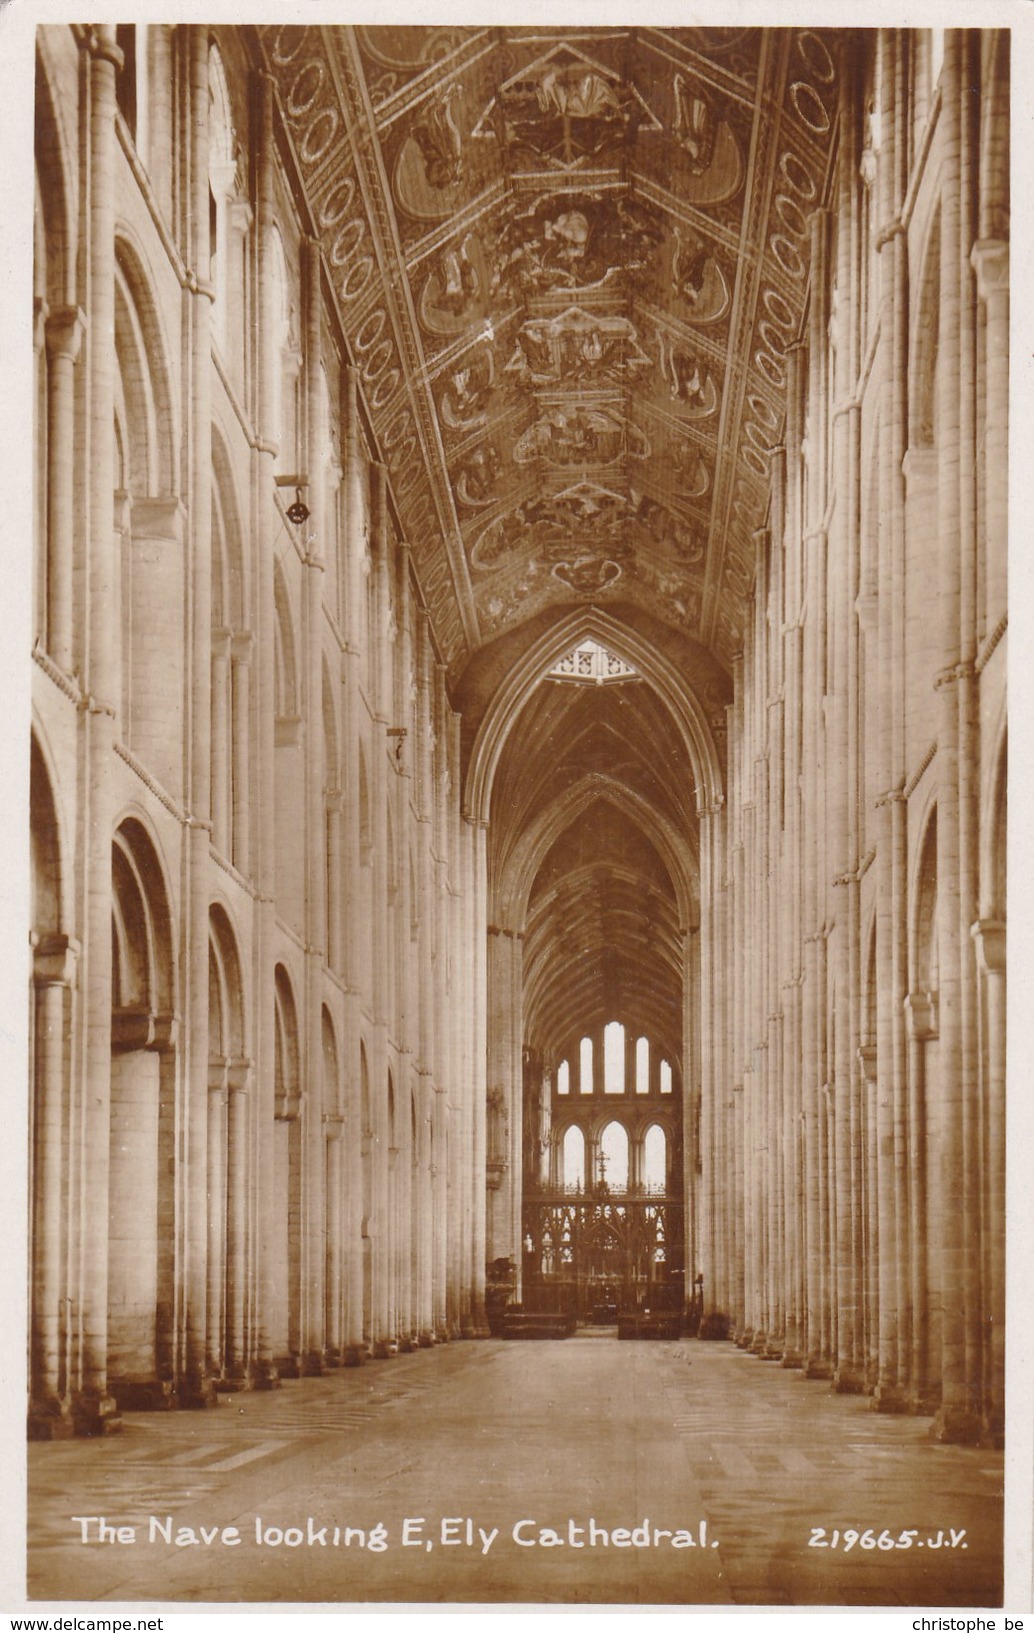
x=229, y=1139
x=286, y=1200
x=141, y=1198
x=148, y=519
x=925, y=1115
x=333, y=1103
x=50, y=1014
x=231, y=655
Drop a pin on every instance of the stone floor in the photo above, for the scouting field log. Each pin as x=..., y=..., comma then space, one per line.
x=493, y=1445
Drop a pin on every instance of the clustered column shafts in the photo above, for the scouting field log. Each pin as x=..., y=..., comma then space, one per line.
x=851, y=1211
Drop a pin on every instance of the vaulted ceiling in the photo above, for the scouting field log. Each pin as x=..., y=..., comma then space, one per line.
x=569, y=264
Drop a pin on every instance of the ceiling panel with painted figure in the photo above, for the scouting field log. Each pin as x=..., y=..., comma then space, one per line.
x=570, y=264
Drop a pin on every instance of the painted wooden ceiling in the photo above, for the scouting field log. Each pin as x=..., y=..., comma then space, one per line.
x=569, y=264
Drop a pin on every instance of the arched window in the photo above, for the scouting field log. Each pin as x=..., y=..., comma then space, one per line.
x=126, y=85
x=614, y=1157
x=655, y=1159
x=222, y=176
x=563, y=1078
x=614, y=1058
x=284, y=381
x=585, y=1058
x=665, y=1076
x=642, y=1066
x=574, y=1160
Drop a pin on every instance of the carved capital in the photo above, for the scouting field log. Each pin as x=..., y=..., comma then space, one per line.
x=64, y=329
x=989, y=940
x=990, y=261
x=922, y=1018
x=55, y=961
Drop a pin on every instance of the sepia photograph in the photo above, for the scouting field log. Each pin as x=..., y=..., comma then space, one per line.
x=517, y=812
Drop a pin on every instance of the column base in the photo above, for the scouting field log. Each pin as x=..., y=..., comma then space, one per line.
x=426, y=1340
x=266, y=1376
x=957, y=1426
x=744, y=1339
x=816, y=1366
x=289, y=1366
x=473, y=1328
x=96, y=1415
x=383, y=1349
x=198, y=1394
x=889, y=1398
x=144, y=1394
x=311, y=1365
x=51, y=1420
x=847, y=1380
x=714, y=1327
x=332, y=1358
x=792, y=1358
x=407, y=1345
x=924, y=1403
x=353, y=1355
x=236, y=1383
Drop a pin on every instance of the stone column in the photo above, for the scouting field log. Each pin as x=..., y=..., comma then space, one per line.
x=845, y=412
x=382, y=922
x=55, y=969
x=238, y=1136
x=959, y=1417
x=314, y=1167
x=64, y=333
x=221, y=762
x=478, y=876
x=239, y=217
x=240, y=691
x=990, y=259
x=217, y=1215
x=94, y=1407
x=989, y=941
x=891, y=818
x=921, y=1024
x=332, y=1127
x=197, y=308
x=267, y=527
x=352, y=908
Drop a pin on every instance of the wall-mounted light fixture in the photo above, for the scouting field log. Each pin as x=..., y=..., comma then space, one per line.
x=298, y=512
